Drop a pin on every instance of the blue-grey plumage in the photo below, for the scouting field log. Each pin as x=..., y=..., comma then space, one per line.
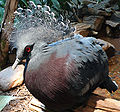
x=61, y=74
x=64, y=75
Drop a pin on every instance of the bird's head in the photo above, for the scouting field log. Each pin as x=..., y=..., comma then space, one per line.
x=24, y=44
x=22, y=54
x=29, y=41
x=35, y=29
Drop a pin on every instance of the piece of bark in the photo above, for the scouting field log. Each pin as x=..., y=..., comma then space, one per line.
x=10, y=78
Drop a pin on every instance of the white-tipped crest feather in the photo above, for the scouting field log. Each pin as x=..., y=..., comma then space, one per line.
x=38, y=24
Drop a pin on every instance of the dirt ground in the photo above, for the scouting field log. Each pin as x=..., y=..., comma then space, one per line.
x=21, y=104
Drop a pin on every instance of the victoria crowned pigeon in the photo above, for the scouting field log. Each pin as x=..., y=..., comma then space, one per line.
x=61, y=74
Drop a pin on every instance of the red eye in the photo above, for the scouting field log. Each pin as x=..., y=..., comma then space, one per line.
x=28, y=49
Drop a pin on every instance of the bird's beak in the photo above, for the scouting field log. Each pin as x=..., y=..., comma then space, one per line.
x=15, y=63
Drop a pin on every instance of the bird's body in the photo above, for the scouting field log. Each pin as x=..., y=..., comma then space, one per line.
x=64, y=75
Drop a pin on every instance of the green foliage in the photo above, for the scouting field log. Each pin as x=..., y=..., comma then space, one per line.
x=37, y=1
x=2, y=4
x=4, y=100
x=1, y=13
x=64, y=7
x=23, y=3
x=56, y=4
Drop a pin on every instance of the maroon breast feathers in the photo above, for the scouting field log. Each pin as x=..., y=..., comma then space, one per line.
x=50, y=79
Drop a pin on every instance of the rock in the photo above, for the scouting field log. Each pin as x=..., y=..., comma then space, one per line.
x=109, y=31
x=117, y=14
x=113, y=1
x=107, y=47
x=94, y=33
x=96, y=22
x=103, y=13
x=102, y=5
x=112, y=23
x=10, y=78
x=99, y=12
x=82, y=29
x=115, y=7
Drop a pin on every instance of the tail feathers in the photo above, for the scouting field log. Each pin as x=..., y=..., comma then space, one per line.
x=110, y=85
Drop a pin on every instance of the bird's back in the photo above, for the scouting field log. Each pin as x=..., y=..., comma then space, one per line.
x=62, y=75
